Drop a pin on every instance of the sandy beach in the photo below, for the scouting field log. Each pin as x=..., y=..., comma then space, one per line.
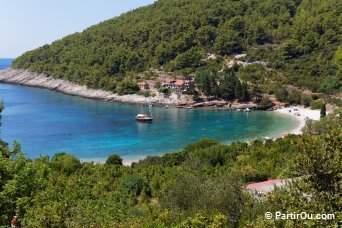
x=301, y=115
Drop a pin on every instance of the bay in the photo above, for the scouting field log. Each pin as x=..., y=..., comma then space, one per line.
x=46, y=122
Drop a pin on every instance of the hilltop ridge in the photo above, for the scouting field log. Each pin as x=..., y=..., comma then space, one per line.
x=299, y=40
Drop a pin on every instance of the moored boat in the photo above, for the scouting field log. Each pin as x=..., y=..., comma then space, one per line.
x=143, y=118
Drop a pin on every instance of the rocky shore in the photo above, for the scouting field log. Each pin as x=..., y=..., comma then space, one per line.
x=26, y=78
x=32, y=79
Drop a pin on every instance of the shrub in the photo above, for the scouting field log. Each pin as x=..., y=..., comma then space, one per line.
x=315, y=97
x=65, y=163
x=203, y=143
x=316, y=105
x=157, y=85
x=294, y=97
x=165, y=91
x=265, y=103
x=305, y=100
x=133, y=184
x=114, y=160
x=127, y=87
x=195, y=192
x=323, y=110
x=281, y=94
x=210, y=218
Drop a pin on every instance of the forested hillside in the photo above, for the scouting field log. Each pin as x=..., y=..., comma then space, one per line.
x=298, y=38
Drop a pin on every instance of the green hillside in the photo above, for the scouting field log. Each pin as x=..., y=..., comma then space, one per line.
x=298, y=38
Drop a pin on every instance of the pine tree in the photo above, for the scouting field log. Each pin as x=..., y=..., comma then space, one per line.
x=323, y=111
x=238, y=89
x=228, y=87
x=256, y=93
x=207, y=85
x=245, y=94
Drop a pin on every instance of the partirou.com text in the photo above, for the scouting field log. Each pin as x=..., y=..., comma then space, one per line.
x=298, y=216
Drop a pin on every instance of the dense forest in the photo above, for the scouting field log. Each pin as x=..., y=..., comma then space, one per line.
x=200, y=186
x=300, y=40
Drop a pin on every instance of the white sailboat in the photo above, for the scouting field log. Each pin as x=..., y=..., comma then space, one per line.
x=144, y=117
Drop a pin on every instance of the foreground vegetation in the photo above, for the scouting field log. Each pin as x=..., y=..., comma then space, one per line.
x=299, y=40
x=201, y=186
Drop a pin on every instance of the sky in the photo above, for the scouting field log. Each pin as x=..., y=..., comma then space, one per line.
x=26, y=25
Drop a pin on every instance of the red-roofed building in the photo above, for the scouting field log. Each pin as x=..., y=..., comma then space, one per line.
x=179, y=86
x=264, y=187
x=144, y=86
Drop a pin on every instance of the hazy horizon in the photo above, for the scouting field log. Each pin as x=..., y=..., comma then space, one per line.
x=29, y=25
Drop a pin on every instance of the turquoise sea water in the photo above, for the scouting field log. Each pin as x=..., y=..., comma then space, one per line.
x=46, y=122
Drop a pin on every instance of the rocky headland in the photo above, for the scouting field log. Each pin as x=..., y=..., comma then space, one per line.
x=32, y=79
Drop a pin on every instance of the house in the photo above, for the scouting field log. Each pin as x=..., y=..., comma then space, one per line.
x=184, y=86
x=179, y=86
x=262, y=188
x=144, y=86
x=168, y=83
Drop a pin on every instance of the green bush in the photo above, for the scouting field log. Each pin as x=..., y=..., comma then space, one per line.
x=210, y=218
x=195, y=192
x=315, y=97
x=127, y=87
x=114, y=160
x=305, y=100
x=323, y=111
x=203, y=143
x=281, y=94
x=294, y=97
x=165, y=91
x=316, y=105
x=265, y=103
x=65, y=163
x=132, y=184
x=157, y=85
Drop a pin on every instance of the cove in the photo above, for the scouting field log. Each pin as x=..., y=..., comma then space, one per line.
x=46, y=122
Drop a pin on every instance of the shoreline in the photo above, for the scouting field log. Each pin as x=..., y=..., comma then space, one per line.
x=300, y=114
x=25, y=78
x=41, y=81
x=305, y=113
x=36, y=80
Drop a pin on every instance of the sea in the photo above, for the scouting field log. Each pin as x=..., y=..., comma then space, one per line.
x=46, y=122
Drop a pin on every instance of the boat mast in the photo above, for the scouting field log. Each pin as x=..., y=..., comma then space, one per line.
x=149, y=107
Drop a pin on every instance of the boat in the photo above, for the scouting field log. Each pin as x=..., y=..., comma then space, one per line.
x=247, y=110
x=166, y=107
x=143, y=118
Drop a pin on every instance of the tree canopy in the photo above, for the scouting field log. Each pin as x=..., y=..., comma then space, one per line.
x=298, y=38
